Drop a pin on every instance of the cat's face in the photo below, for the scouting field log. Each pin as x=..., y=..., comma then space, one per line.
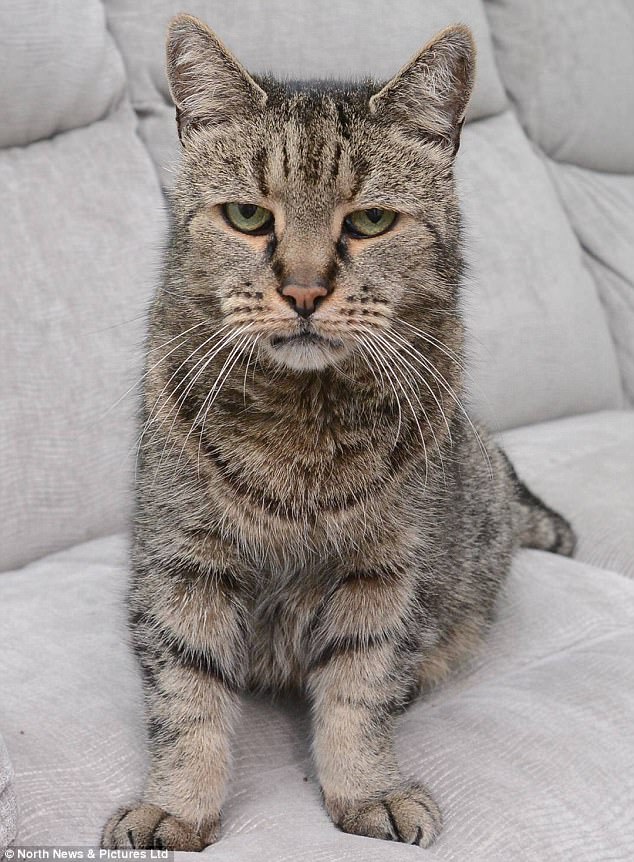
x=317, y=218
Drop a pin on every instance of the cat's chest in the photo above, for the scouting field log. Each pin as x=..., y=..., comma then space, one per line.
x=291, y=461
x=285, y=612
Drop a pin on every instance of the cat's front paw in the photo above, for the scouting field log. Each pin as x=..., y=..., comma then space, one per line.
x=148, y=827
x=409, y=815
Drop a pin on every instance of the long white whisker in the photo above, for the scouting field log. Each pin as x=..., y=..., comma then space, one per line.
x=246, y=370
x=376, y=356
x=440, y=379
x=206, y=360
x=197, y=370
x=220, y=381
x=415, y=417
x=426, y=336
x=405, y=345
x=192, y=353
x=169, y=340
x=145, y=374
x=402, y=362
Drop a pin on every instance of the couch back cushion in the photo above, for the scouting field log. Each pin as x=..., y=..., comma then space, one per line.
x=294, y=39
x=80, y=225
x=60, y=68
x=539, y=343
x=568, y=66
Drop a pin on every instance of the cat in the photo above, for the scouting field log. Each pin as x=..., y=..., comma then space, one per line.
x=315, y=510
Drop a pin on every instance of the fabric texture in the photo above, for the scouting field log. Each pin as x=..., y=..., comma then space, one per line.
x=568, y=68
x=583, y=466
x=535, y=323
x=8, y=808
x=600, y=207
x=79, y=256
x=528, y=750
x=306, y=40
x=60, y=68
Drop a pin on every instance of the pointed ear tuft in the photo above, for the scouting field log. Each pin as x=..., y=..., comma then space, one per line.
x=429, y=95
x=208, y=85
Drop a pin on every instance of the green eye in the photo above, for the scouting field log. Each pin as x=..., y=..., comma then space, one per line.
x=372, y=222
x=248, y=218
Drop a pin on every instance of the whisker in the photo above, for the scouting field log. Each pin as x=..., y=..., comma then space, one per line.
x=192, y=353
x=440, y=379
x=374, y=354
x=201, y=364
x=206, y=360
x=426, y=336
x=169, y=340
x=362, y=350
x=246, y=370
x=215, y=391
x=145, y=374
x=415, y=417
x=405, y=345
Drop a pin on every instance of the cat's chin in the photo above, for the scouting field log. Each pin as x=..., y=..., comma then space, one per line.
x=305, y=353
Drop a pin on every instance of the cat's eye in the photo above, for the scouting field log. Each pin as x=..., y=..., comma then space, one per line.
x=248, y=218
x=370, y=222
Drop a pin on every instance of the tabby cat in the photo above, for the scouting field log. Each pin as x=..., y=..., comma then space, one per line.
x=315, y=510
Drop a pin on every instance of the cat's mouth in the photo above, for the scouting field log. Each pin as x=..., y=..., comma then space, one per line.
x=301, y=338
x=305, y=350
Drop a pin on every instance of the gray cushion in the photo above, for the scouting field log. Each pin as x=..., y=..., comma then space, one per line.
x=60, y=68
x=540, y=346
x=78, y=260
x=307, y=39
x=8, y=808
x=600, y=207
x=584, y=467
x=568, y=66
x=529, y=750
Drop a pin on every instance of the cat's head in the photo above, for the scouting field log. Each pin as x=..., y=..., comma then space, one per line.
x=318, y=217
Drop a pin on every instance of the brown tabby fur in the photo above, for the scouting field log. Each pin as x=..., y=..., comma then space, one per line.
x=312, y=514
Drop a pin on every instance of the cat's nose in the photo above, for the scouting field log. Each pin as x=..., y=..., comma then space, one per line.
x=304, y=298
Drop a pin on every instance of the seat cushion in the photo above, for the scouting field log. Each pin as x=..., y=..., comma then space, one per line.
x=527, y=749
x=8, y=812
x=584, y=467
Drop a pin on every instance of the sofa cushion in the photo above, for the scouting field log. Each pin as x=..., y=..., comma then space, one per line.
x=79, y=248
x=8, y=810
x=527, y=749
x=300, y=40
x=540, y=346
x=584, y=467
x=600, y=208
x=60, y=68
x=568, y=67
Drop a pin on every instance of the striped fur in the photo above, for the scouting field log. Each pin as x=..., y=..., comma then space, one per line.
x=319, y=515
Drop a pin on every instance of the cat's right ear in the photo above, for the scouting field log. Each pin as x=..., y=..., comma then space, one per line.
x=208, y=85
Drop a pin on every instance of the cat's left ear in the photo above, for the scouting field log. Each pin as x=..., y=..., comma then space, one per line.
x=429, y=96
x=208, y=85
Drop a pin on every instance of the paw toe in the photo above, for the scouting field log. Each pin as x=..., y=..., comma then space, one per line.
x=148, y=827
x=409, y=815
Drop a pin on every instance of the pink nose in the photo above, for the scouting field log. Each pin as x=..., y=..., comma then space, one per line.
x=304, y=299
